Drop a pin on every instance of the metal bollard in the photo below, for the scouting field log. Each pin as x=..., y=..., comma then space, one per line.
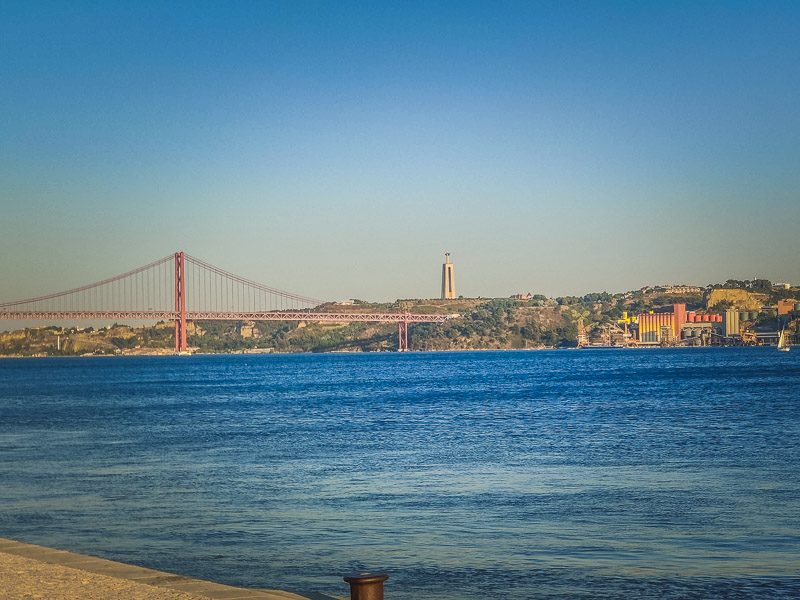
x=367, y=585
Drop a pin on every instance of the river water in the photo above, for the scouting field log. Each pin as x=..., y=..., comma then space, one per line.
x=668, y=473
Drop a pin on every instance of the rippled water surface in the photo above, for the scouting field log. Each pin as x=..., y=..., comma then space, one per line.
x=558, y=474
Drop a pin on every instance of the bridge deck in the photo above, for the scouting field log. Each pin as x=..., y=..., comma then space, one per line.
x=65, y=315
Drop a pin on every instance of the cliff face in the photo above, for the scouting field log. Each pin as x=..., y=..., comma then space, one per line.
x=738, y=298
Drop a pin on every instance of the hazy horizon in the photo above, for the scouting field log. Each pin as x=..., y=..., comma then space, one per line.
x=339, y=150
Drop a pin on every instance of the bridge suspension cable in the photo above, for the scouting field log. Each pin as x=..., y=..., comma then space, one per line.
x=151, y=288
x=145, y=288
x=253, y=285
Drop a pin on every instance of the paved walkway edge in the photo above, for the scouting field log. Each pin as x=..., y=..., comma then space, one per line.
x=101, y=566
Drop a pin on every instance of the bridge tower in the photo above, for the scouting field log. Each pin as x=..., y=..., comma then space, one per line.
x=180, y=303
x=402, y=334
x=448, y=279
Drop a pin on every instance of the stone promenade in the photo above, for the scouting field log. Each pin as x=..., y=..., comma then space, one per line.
x=29, y=572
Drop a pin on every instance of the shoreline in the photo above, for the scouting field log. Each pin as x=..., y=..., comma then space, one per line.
x=542, y=349
x=31, y=571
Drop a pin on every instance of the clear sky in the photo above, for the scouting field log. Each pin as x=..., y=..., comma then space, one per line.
x=338, y=149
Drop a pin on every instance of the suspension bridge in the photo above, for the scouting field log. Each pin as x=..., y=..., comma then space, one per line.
x=182, y=288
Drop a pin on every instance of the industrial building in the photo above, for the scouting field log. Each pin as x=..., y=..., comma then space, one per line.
x=787, y=306
x=734, y=327
x=690, y=328
x=677, y=326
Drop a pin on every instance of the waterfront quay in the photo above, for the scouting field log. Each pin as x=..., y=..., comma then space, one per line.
x=30, y=572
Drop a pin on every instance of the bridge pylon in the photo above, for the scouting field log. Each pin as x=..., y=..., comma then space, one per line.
x=180, y=303
x=402, y=334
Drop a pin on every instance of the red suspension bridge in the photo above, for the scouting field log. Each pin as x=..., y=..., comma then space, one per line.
x=182, y=288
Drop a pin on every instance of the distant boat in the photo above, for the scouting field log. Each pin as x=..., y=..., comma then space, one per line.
x=782, y=346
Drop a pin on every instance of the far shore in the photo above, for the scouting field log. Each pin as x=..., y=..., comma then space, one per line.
x=273, y=352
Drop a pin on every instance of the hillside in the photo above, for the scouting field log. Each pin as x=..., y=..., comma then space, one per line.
x=477, y=324
x=480, y=324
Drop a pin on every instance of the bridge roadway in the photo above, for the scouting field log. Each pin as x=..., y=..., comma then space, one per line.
x=180, y=317
x=65, y=315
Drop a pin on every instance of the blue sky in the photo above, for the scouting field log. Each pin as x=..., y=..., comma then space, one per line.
x=338, y=149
